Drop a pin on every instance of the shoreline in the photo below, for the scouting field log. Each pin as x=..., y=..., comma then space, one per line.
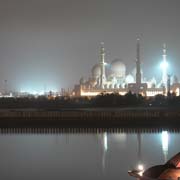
x=91, y=117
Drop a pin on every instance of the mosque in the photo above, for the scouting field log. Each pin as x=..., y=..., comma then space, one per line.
x=113, y=78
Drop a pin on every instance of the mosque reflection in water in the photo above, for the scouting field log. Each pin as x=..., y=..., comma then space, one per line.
x=101, y=155
x=122, y=138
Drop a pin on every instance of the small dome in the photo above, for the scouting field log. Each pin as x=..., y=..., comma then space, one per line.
x=129, y=79
x=118, y=68
x=82, y=81
x=96, y=71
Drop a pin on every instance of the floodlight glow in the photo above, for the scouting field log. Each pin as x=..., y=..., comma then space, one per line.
x=177, y=91
x=36, y=91
x=140, y=167
x=164, y=65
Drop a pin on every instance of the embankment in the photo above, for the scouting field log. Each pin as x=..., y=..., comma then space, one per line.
x=101, y=117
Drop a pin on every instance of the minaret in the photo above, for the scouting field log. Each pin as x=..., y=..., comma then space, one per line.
x=138, y=64
x=168, y=84
x=102, y=64
x=164, y=67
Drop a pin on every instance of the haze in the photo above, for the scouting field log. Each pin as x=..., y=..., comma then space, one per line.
x=53, y=43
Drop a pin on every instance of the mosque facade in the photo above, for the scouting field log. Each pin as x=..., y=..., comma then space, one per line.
x=113, y=78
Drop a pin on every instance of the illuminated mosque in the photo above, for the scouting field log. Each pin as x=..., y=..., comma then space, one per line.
x=113, y=78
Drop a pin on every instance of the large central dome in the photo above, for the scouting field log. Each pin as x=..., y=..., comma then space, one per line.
x=118, y=68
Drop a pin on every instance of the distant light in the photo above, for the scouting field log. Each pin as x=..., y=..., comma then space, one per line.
x=36, y=90
x=164, y=65
x=177, y=91
x=140, y=167
x=32, y=92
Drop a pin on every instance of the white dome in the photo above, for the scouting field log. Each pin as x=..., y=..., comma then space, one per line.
x=129, y=79
x=118, y=68
x=96, y=71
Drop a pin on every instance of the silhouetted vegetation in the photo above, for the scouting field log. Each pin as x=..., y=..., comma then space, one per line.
x=102, y=100
x=116, y=100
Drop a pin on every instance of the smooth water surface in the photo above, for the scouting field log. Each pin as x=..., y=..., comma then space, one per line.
x=82, y=156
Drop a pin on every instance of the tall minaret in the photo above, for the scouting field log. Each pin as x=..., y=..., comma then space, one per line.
x=164, y=67
x=102, y=64
x=138, y=63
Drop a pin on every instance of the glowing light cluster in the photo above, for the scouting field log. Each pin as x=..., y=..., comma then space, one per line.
x=140, y=167
x=177, y=91
x=153, y=93
x=33, y=92
x=36, y=90
x=164, y=65
x=83, y=93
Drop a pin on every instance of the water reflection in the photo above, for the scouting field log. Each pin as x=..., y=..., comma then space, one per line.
x=105, y=149
x=165, y=144
x=105, y=141
x=140, y=165
x=69, y=156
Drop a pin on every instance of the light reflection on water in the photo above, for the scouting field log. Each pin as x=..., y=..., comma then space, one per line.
x=165, y=144
x=83, y=155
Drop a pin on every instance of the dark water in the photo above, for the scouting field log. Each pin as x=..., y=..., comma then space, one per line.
x=82, y=156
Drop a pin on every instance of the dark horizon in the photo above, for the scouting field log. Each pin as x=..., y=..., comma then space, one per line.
x=52, y=44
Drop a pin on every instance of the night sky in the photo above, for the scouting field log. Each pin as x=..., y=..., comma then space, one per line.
x=50, y=44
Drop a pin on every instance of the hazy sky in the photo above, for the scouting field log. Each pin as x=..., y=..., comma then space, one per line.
x=52, y=43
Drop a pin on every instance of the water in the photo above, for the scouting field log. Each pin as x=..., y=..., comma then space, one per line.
x=81, y=156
